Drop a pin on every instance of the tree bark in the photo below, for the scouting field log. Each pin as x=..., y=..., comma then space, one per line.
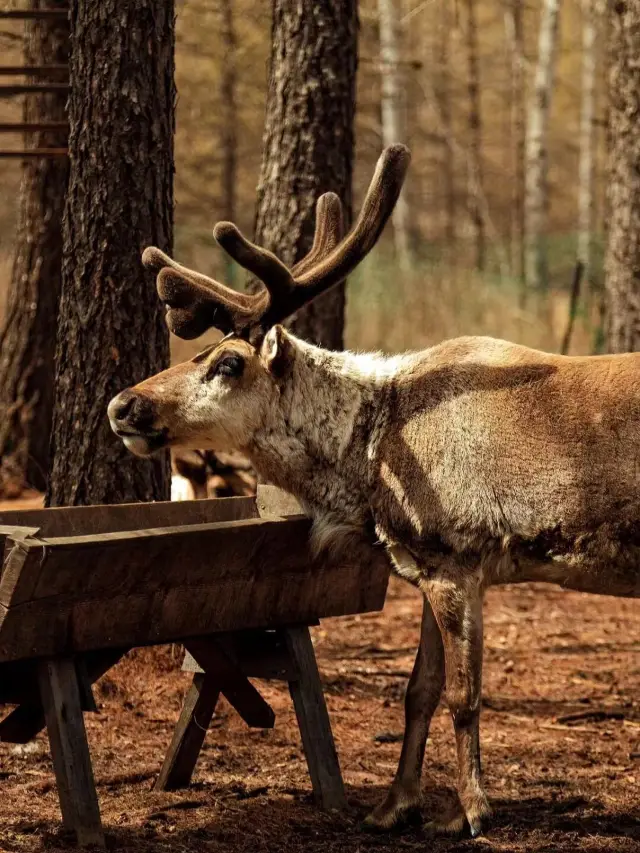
x=622, y=264
x=111, y=330
x=537, y=190
x=475, y=181
x=308, y=140
x=393, y=110
x=445, y=100
x=27, y=340
x=587, y=114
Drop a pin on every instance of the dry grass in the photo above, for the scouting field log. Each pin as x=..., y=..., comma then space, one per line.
x=393, y=313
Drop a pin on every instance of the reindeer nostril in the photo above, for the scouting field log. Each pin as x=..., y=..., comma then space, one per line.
x=123, y=406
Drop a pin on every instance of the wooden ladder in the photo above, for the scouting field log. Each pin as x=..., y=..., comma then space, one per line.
x=41, y=87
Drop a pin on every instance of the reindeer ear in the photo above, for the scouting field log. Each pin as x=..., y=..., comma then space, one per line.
x=276, y=351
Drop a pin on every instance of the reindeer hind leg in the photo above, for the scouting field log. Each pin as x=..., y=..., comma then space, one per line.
x=402, y=803
x=456, y=599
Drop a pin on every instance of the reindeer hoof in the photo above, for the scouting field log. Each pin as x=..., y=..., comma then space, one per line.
x=392, y=814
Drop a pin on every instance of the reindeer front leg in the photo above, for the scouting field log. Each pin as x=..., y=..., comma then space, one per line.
x=455, y=594
x=421, y=700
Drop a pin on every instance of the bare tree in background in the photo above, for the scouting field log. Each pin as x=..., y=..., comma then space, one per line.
x=536, y=184
x=474, y=169
x=27, y=341
x=622, y=265
x=308, y=140
x=228, y=120
x=587, y=134
x=393, y=109
x=442, y=94
x=513, y=18
x=111, y=328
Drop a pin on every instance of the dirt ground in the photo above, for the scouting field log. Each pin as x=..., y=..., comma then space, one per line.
x=557, y=784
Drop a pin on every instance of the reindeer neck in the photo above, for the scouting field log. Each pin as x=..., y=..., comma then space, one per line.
x=315, y=442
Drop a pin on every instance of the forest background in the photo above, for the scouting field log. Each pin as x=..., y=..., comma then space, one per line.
x=464, y=72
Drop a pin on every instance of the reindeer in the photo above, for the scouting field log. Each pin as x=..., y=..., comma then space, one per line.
x=472, y=463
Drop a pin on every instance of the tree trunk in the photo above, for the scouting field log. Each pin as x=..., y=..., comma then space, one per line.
x=308, y=140
x=518, y=122
x=623, y=247
x=393, y=109
x=228, y=122
x=444, y=98
x=475, y=182
x=111, y=330
x=28, y=339
x=585, y=166
x=537, y=190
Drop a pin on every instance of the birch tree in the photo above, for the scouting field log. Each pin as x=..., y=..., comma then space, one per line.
x=393, y=108
x=475, y=181
x=442, y=93
x=536, y=181
x=585, y=166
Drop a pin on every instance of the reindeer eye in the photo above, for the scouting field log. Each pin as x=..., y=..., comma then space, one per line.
x=230, y=365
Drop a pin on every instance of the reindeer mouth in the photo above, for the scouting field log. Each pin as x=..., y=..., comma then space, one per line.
x=144, y=443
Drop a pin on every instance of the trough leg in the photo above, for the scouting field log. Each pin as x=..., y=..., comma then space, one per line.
x=313, y=720
x=189, y=735
x=69, y=750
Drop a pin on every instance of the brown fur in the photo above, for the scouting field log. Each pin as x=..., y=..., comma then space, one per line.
x=475, y=462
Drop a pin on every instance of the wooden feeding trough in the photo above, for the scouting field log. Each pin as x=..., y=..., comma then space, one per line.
x=232, y=579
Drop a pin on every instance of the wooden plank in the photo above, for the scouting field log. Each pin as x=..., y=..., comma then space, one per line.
x=188, y=737
x=34, y=127
x=149, y=560
x=70, y=751
x=313, y=721
x=272, y=501
x=15, y=534
x=31, y=153
x=10, y=91
x=83, y=520
x=33, y=14
x=235, y=686
x=260, y=597
x=32, y=70
x=21, y=570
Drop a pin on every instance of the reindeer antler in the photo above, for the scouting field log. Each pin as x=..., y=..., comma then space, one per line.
x=196, y=302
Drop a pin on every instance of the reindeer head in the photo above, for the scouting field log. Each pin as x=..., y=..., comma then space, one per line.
x=220, y=398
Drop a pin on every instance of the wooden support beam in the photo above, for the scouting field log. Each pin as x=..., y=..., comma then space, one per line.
x=34, y=127
x=30, y=153
x=11, y=90
x=70, y=750
x=217, y=670
x=188, y=737
x=313, y=721
x=233, y=684
x=32, y=14
x=31, y=70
